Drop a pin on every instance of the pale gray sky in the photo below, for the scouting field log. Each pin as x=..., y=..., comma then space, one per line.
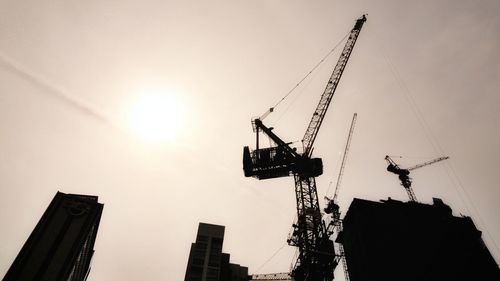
x=70, y=72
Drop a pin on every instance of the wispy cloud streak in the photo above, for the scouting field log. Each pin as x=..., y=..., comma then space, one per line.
x=52, y=90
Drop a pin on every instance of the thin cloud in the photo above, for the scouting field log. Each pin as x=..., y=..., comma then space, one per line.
x=51, y=90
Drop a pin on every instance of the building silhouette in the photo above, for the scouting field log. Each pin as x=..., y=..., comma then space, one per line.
x=62, y=244
x=394, y=240
x=207, y=262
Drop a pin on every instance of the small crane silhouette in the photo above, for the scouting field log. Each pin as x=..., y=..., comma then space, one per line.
x=404, y=174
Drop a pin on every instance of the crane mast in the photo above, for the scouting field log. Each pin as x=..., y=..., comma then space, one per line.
x=316, y=260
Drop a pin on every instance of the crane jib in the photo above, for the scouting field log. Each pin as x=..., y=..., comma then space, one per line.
x=324, y=102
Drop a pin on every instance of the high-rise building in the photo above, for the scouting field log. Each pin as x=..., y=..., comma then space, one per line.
x=394, y=240
x=62, y=244
x=207, y=262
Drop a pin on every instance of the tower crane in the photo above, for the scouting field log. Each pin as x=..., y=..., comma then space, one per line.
x=404, y=174
x=342, y=166
x=333, y=208
x=316, y=259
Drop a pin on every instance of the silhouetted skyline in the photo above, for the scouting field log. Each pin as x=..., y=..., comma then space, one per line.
x=61, y=245
x=423, y=79
x=206, y=260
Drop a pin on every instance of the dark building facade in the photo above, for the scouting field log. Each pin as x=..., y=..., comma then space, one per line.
x=393, y=240
x=62, y=244
x=207, y=262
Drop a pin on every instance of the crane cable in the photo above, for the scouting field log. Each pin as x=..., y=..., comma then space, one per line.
x=433, y=140
x=271, y=109
x=293, y=220
x=271, y=257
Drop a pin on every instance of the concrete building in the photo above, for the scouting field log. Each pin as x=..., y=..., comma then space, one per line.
x=393, y=240
x=206, y=260
x=62, y=244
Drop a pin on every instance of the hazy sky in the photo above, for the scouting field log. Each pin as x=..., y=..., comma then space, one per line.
x=423, y=78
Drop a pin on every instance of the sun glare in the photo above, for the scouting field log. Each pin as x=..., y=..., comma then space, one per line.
x=156, y=117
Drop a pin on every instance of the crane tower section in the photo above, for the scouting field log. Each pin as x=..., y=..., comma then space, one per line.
x=316, y=260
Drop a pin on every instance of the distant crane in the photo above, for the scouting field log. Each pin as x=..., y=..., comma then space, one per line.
x=344, y=158
x=332, y=206
x=404, y=174
x=316, y=260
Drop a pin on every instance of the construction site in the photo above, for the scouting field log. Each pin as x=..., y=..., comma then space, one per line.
x=388, y=241
x=237, y=141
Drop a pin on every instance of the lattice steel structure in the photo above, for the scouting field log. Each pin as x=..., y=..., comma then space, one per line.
x=331, y=86
x=316, y=260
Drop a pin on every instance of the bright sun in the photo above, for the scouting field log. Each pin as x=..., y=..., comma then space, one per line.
x=156, y=117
